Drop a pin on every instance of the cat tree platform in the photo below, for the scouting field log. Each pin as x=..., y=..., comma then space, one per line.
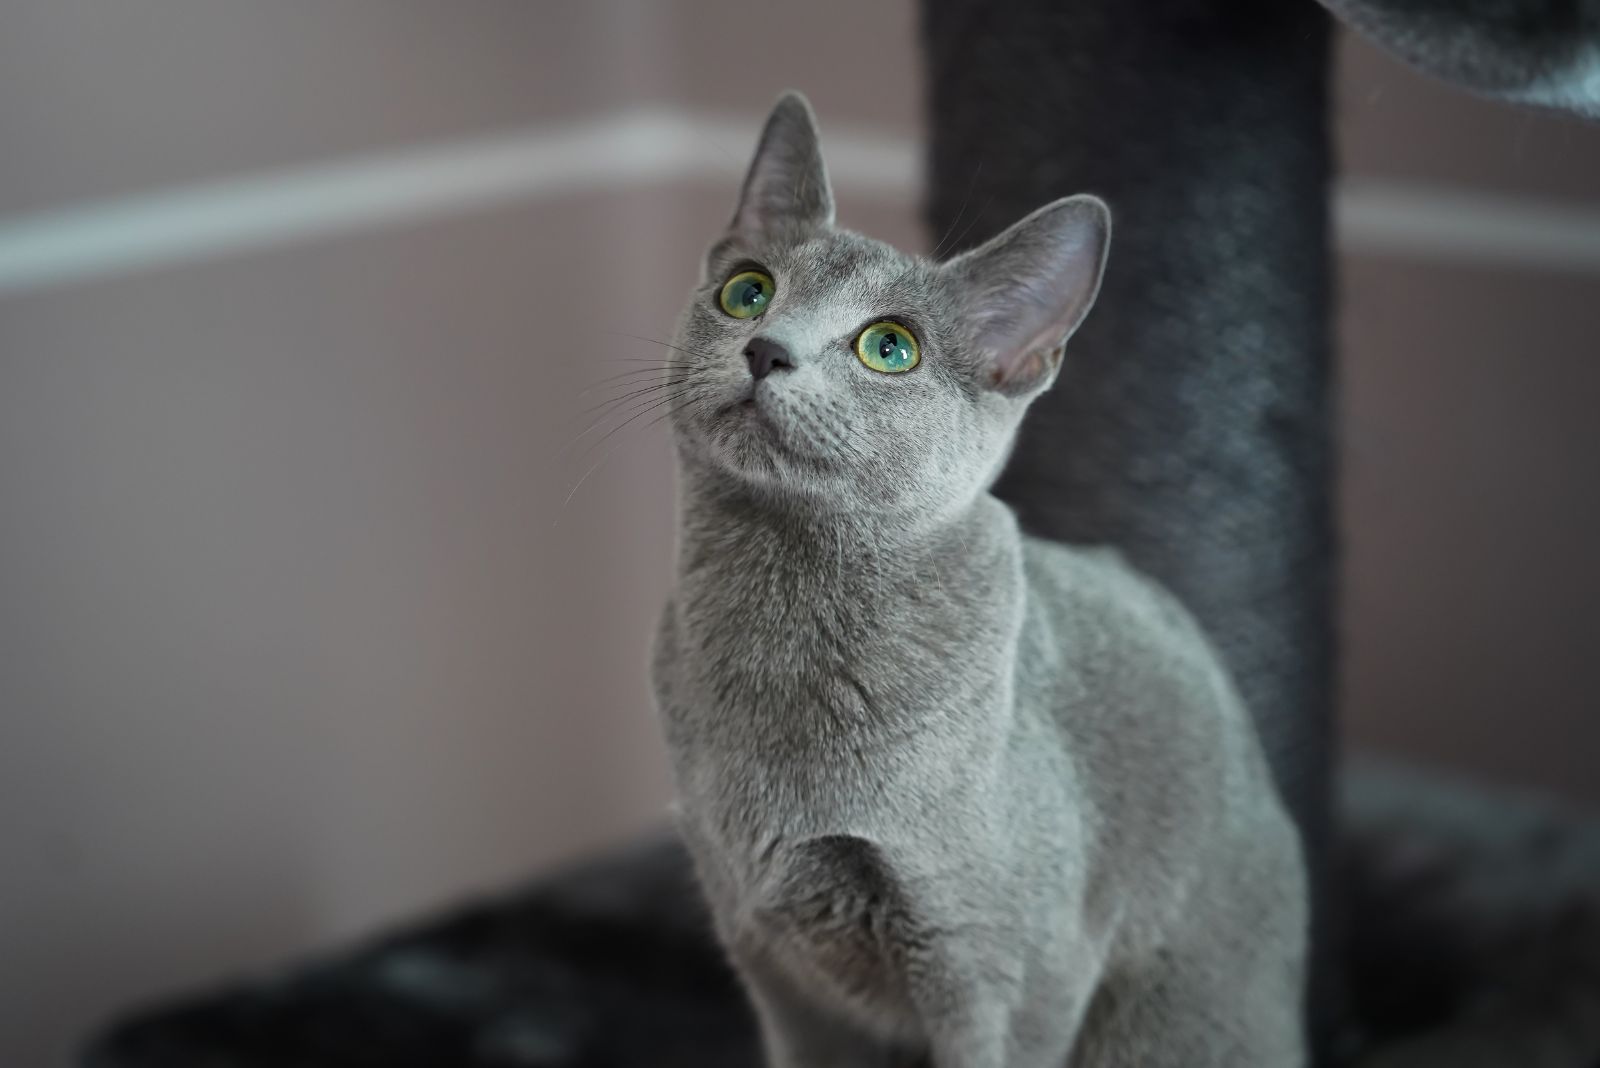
x=1474, y=926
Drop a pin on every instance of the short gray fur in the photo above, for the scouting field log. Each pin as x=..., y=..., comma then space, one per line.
x=1541, y=52
x=953, y=793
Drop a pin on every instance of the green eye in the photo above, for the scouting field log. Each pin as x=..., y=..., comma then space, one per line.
x=746, y=294
x=888, y=347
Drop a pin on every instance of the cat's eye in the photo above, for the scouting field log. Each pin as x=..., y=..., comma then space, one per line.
x=747, y=294
x=888, y=347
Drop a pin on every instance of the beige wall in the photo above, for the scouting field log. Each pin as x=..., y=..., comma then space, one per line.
x=297, y=636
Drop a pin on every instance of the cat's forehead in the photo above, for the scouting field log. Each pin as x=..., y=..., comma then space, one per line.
x=848, y=259
x=841, y=266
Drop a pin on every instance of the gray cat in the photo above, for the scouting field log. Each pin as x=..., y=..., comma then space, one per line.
x=954, y=794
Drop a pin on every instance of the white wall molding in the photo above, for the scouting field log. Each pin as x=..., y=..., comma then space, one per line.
x=651, y=147
x=1434, y=222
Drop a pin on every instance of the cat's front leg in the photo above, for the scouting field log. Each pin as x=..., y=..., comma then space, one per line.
x=965, y=1004
x=984, y=1027
x=796, y=1033
x=982, y=1003
x=1195, y=1015
x=975, y=1039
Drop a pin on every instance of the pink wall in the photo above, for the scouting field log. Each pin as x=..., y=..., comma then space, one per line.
x=296, y=634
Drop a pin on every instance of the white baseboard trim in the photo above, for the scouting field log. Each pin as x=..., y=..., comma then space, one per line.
x=650, y=147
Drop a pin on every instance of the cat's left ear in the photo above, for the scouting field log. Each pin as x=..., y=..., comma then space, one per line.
x=1028, y=290
x=787, y=182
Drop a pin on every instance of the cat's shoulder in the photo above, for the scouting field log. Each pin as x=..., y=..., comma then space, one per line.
x=1098, y=579
x=1092, y=603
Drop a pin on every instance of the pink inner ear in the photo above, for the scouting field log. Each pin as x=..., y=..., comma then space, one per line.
x=1032, y=286
x=1030, y=323
x=1026, y=371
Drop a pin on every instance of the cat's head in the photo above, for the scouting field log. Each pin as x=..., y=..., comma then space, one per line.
x=814, y=363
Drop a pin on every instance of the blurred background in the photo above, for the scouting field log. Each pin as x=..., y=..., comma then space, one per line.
x=320, y=609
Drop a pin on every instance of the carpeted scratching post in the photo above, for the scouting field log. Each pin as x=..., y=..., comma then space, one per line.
x=1190, y=426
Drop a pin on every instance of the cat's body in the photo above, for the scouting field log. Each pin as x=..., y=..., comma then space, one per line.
x=953, y=793
x=1081, y=807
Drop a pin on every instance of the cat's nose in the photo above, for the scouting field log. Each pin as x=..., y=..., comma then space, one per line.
x=766, y=356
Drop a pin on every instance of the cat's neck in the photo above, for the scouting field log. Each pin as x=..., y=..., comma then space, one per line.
x=808, y=547
x=811, y=612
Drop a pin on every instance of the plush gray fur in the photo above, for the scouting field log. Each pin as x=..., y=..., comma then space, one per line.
x=1544, y=52
x=953, y=793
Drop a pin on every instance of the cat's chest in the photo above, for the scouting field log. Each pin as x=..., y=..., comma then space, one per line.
x=828, y=648
x=813, y=734
x=762, y=756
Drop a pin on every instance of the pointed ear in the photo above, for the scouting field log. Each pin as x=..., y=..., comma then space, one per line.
x=1028, y=289
x=787, y=182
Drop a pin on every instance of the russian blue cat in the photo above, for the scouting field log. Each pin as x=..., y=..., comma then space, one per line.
x=955, y=795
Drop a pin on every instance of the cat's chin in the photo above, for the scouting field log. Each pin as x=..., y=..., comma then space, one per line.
x=744, y=447
x=747, y=427
x=760, y=438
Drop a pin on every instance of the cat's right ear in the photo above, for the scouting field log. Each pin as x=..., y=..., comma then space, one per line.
x=787, y=182
x=1027, y=290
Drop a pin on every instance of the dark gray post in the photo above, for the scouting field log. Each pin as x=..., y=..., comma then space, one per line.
x=1190, y=425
